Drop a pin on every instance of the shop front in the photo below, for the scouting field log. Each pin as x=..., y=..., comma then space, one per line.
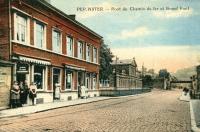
x=75, y=77
x=35, y=71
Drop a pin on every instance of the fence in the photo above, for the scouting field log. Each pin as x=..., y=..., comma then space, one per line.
x=104, y=83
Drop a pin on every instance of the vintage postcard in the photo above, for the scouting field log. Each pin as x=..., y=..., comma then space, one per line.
x=100, y=65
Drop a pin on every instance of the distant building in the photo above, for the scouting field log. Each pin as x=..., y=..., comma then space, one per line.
x=126, y=77
x=125, y=74
x=198, y=78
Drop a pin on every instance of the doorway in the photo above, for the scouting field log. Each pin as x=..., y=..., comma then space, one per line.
x=21, y=77
x=81, y=79
x=56, y=80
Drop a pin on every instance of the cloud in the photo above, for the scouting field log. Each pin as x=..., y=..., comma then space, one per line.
x=173, y=14
x=138, y=32
x=87, y=14
x=141, y=31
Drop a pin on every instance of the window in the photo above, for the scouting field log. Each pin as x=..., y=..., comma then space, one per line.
x=88, y=53
x=21, y=28
x=80, y=50
x=56, y=41
x=69, y=80
x=39, y=76
x=95, y=55
x=40, y=35
x=70, y=47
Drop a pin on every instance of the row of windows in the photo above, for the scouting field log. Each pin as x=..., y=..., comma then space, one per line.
x=22, y=26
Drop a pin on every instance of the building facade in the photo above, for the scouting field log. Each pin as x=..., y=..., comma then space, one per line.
x=125, y=79
x=49, y=48
x=125, y=74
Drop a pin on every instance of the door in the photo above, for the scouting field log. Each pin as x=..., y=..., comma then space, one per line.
x=21, y=77
x=56, y=80
x=81, y=81
x=79, y=84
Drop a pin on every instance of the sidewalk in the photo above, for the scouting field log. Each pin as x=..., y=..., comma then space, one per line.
x=194, y=111
x=49, y=106
x=184, y=97
x=195, y=115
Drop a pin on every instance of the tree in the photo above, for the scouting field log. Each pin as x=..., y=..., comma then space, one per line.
x=147, y=81
x=105, y=62
x=152, y=71
x=164, y=73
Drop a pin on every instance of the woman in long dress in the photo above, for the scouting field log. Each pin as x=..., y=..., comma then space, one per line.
x=33, y=92
x=57, y=91
x=15, y=95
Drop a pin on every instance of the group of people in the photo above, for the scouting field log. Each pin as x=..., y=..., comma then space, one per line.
x=20, y=92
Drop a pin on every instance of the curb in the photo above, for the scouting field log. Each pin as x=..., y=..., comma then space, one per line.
x=183, y=100
x=193, y=122
x=38, y=111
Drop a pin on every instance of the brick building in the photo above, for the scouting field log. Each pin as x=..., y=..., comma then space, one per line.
x=47, y=47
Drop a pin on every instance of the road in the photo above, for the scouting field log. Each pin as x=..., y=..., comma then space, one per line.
x=159, y=111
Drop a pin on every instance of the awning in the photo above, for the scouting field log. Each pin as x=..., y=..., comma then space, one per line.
x=26, y=59
x=75, y=68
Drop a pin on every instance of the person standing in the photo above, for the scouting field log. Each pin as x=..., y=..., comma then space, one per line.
x=57, y=91
x=26, y=89
x=32, y=93
x=83, y=92
x=15, y=95
x=22, y=91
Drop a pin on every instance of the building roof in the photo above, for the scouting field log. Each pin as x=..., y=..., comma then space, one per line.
x=68, y=17
x=125, y=62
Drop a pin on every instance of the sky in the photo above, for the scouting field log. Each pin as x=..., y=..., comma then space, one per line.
x=160, y=34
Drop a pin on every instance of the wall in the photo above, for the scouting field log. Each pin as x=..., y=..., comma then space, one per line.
x=69, y=96
x=93, y=93
x=5, y=84
x=4, y=30
x=122, y=92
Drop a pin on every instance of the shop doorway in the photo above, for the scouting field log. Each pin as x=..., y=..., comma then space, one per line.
x=81, y=81
x=56, y=80
x=22, y=71
x=21, y=77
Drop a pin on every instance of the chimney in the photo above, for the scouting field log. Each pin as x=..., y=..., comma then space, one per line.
x=73, y=16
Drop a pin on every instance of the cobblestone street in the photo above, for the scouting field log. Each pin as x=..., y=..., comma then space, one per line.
x=159, y=111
